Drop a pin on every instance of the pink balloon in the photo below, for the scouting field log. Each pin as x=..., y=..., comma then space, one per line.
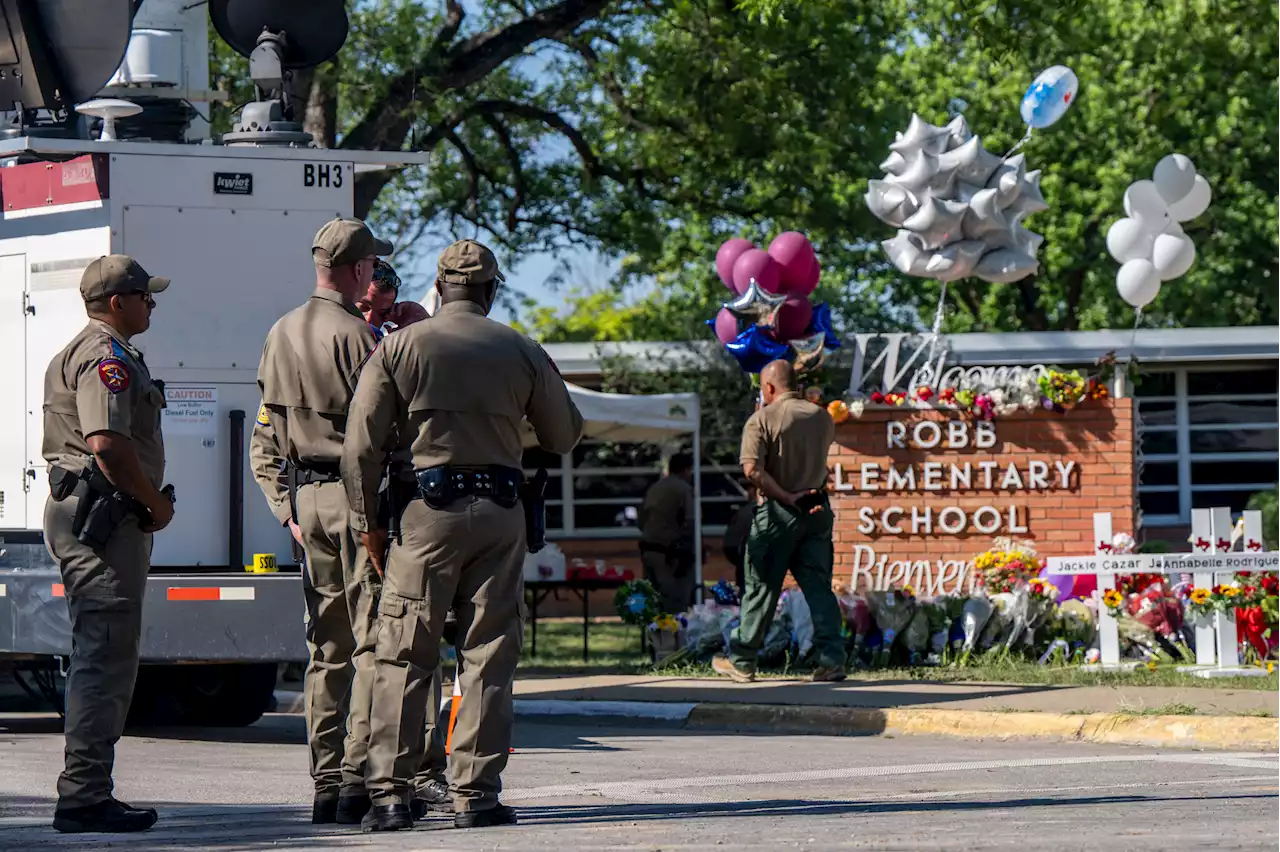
x=794, y=254
x=726, y=326
x=726, y=255
x=793, y=317
x=754, y=263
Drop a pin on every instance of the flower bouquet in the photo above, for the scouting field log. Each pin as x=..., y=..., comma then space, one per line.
x=1161, y=613
x=893, y=611
x=1061, y=390
x=664, y=637
x=916, y=636
x=857, y=617
x=1006, y=565
x=974, y=616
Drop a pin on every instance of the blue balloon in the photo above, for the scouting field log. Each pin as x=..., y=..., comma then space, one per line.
x=753, y=349
x=821, y=321
x=1049, y=96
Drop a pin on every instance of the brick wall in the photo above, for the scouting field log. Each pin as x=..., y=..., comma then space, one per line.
x=1096, y=436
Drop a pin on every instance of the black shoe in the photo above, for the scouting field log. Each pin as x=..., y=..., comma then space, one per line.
x=106, y=816
x=387, y=818
x=351, y=809
x=324, y=810
x=500, y=815
x=431, y=797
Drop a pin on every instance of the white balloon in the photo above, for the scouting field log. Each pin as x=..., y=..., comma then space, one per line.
x=1138, y=283
x=1172, y=255
x=1174, y=176
x=1194, y=202
x=1129, y=239
x=1143, y=201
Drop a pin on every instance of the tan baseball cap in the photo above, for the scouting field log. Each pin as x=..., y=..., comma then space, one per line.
x=118, y=275
x=342, y=242
x=468, y=262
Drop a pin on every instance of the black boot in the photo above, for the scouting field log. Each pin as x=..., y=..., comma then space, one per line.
x=431, y=797
x=393, y=817
x=106, y=816
x=500, y=815
x=352, y=808
x=324, y=809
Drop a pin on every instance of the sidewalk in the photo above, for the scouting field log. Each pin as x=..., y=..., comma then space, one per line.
x=1163, y=717
x=899, y=694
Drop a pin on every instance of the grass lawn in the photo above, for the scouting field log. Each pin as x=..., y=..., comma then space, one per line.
x=615, y=649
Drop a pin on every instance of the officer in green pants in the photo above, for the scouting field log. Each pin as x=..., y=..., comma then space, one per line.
x=784, y=454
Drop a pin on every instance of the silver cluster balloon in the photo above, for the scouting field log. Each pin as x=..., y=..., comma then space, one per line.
x=958, y=207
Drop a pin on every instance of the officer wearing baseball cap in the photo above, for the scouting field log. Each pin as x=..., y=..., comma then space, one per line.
x=102, y=440
x=462, y=538
x=310, y=362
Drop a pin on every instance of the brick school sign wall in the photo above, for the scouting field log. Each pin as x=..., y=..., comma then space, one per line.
x=918, y=493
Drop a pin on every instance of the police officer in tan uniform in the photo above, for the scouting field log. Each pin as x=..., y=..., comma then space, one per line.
x=784, y=454
x=106, y=463
x=307, y=376
x=666, y=535
x=452, y=391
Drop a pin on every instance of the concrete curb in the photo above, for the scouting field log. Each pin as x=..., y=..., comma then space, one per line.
x=1233, y=733
x=1237, y=733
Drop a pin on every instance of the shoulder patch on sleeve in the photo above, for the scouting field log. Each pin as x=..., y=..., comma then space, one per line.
x=114, y=374
x=263, y=420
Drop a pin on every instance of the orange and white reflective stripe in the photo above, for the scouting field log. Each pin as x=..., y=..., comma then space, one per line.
x=59, y=590
x=3, y=590
x=210, y=593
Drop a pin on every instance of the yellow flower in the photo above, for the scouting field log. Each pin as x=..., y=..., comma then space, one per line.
x=1113, y=598
x=1199, y=596
x=1151, y=665
x=1230, y=591
x=908, y=591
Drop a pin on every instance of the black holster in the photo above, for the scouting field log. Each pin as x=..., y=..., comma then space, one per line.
x=62, y=483
x=291, y=483
x=533, y=498
x=399, y=487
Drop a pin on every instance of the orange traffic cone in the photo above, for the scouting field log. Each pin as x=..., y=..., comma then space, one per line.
x=454, y=701
x=453, y=711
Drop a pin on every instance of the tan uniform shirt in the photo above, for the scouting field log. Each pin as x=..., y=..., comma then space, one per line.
x=790, y=438
x=667, y=512
x=100, y=383
x=307, y=376
x=452, y=389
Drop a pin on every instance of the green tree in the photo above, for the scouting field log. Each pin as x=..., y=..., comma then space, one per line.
x=781, y=125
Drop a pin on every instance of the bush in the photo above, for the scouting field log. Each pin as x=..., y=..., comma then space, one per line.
x=1269, y=504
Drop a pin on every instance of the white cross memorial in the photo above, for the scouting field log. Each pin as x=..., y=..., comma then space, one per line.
x=1213, y=553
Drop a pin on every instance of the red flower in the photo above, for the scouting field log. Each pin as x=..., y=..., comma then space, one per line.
x=877, y=397
x=924, y=393
x=1270, y=584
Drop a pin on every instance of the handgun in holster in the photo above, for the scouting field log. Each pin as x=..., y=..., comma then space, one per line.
x=103, y=507
x=398, y=489
x=291, y=477
x=533, y=498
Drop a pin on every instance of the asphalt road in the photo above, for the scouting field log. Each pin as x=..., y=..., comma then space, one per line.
x=655, y=788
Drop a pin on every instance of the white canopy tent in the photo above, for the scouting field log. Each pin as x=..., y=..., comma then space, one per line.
x=635, y=418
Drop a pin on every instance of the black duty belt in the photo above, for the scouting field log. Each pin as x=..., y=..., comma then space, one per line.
x=312, y=473
x=441, y=485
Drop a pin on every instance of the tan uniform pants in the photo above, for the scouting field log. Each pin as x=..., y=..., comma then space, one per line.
x=340, y=588
x=470, y=556
x=104, y=590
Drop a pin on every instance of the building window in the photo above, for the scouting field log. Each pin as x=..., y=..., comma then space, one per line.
x=597, y=490
x=1210, y=438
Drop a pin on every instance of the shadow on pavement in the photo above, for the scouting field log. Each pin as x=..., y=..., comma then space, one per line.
x=24, y=821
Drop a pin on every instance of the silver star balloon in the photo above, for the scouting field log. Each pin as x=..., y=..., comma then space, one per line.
x=810, y=351
x=956, y=203
x=920, y=135
x=757, y=305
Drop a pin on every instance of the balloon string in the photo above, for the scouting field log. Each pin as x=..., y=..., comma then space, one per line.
x=1026, y=138
x=937, y=320
x=1133, y=340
